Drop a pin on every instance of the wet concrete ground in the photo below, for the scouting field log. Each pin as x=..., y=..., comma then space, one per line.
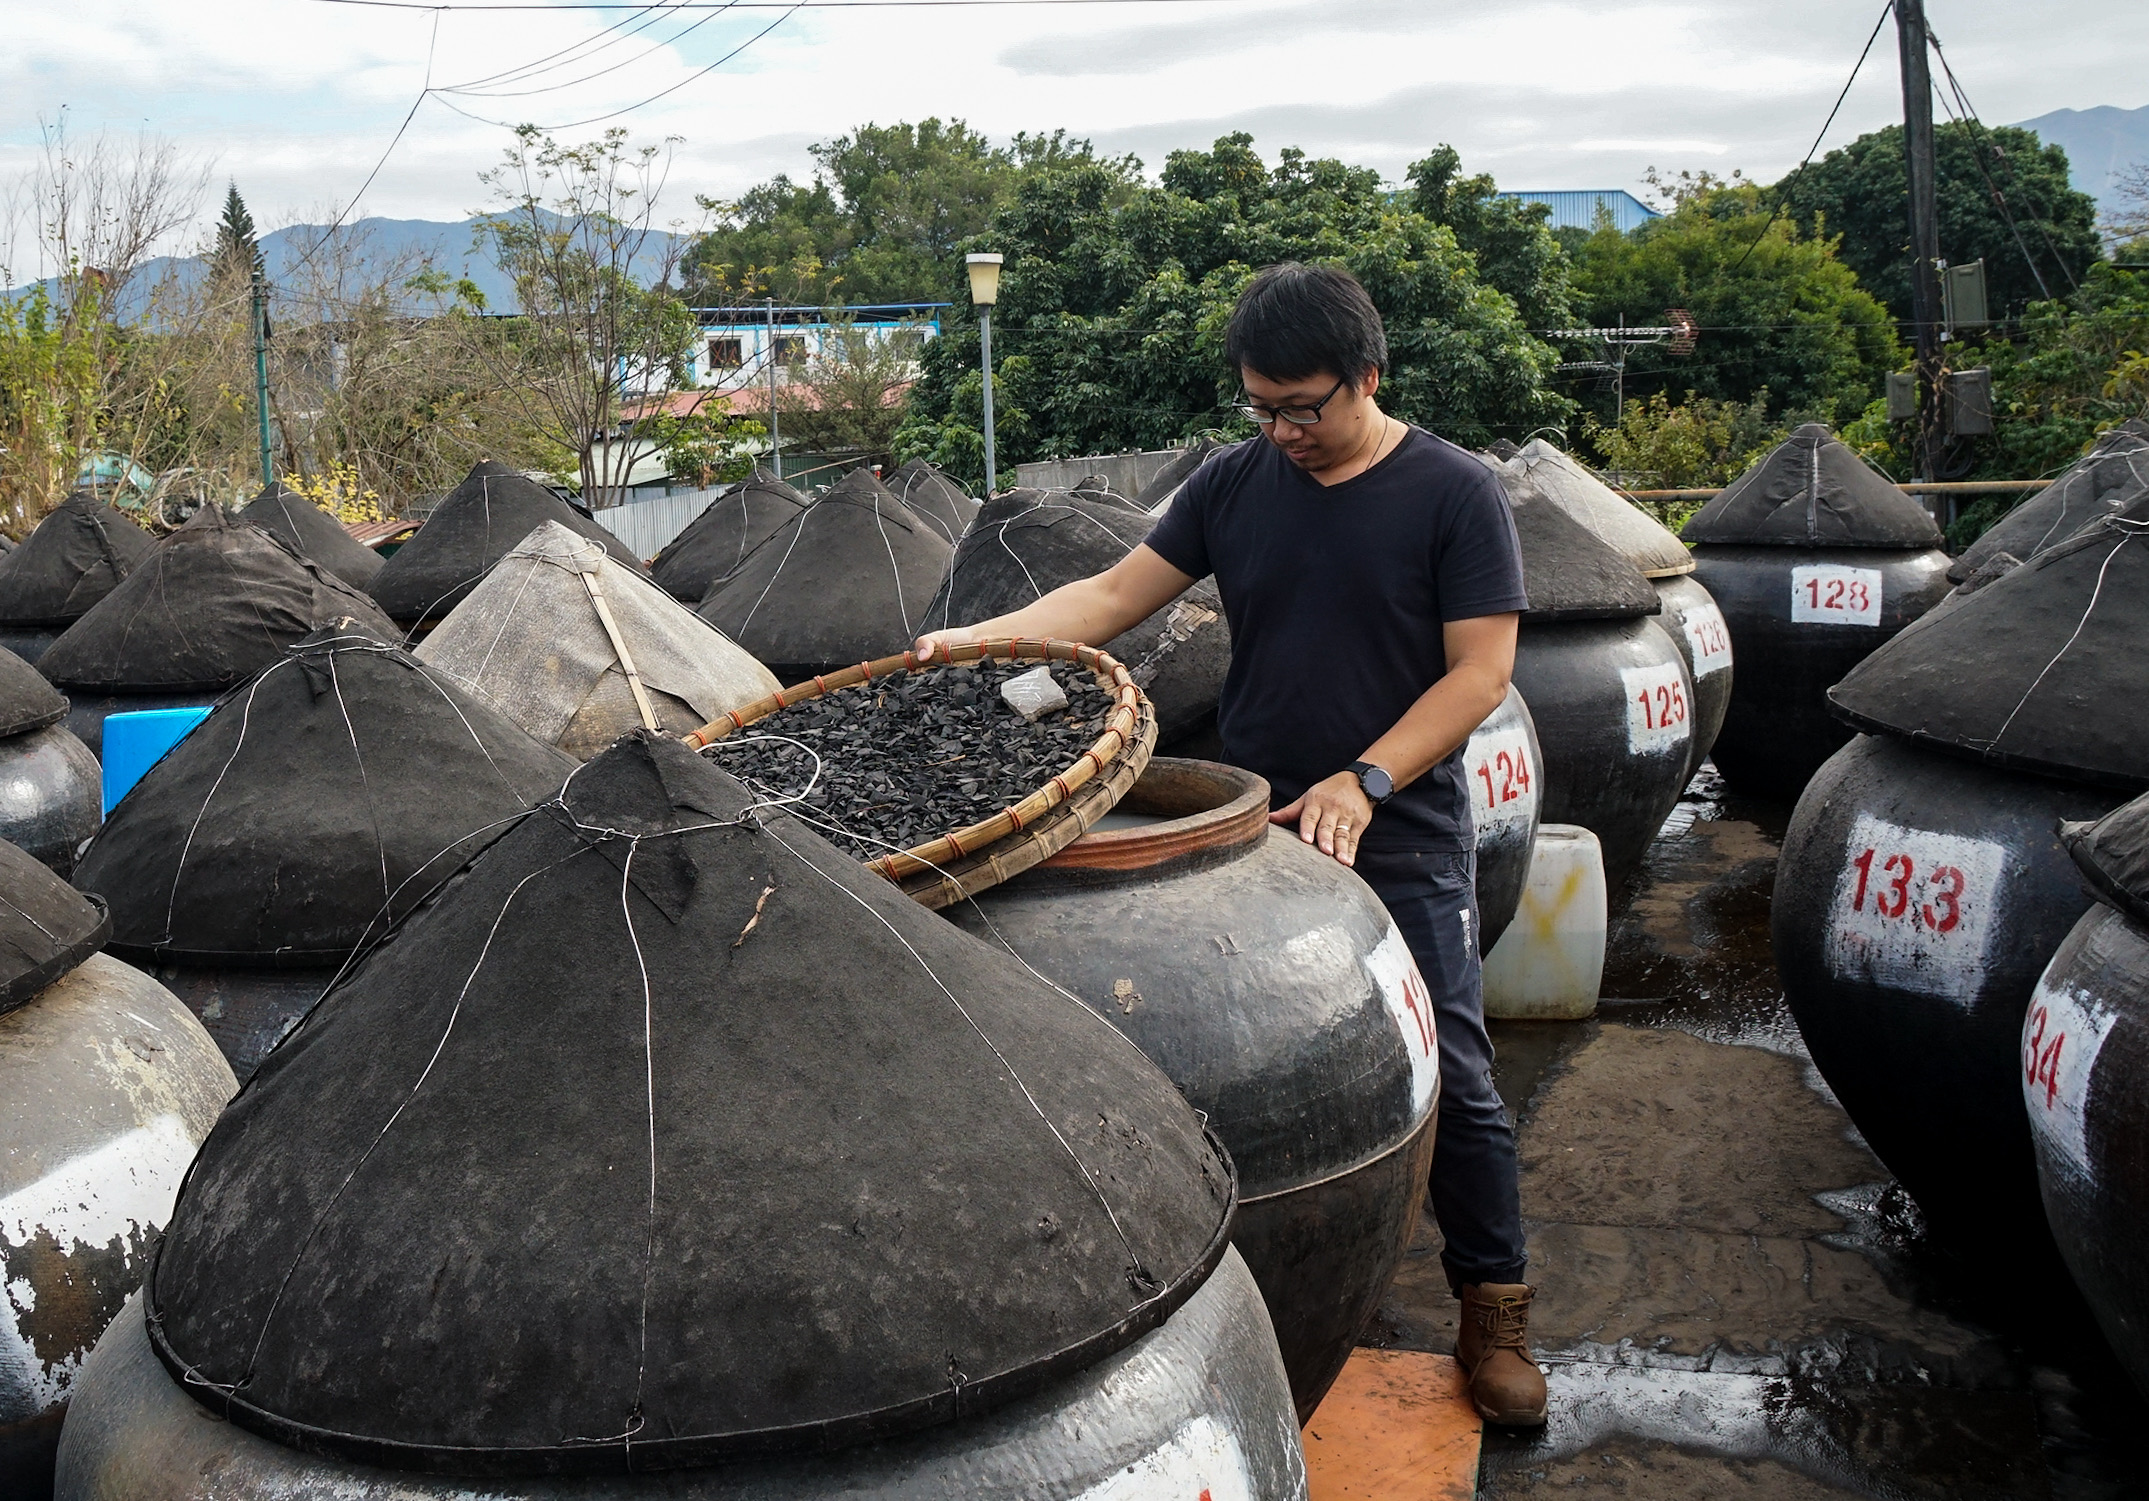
x=1734, y=1300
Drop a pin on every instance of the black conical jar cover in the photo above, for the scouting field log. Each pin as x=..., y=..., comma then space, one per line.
x=1811, y=490
x=73, y=558
x=1538, y=471
x=2105, y=481
x=27, y=700
x=932, y=495
x=307, y=529
x=664, y=1133
x=718, y=540
x=493, y=509
x=2113, y=854
x=1569, y=574
x=2041, y=669
x=848, y=580
x=217, y=601
x=339, y=787
x=46, y=929
x=1165, y=482
x=1026, y=543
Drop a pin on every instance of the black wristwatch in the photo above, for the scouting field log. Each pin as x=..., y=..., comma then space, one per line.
x=1377, y=785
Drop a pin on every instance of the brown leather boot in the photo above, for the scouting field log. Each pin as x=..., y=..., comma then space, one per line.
x=1494, y=1351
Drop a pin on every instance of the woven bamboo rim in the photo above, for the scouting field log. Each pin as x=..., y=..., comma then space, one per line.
x=968, y=860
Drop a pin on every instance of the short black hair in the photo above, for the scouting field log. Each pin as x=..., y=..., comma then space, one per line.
x=1295, y=321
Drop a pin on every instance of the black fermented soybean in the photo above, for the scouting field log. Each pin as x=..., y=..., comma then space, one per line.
x=909, y=757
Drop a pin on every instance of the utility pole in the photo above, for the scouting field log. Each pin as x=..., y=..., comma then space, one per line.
x=1924, y=228
x=261, y=371
x=775, y=432
x=1680, y=333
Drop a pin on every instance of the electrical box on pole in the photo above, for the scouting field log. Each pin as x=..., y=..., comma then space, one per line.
x=1924, y=226
x=1969, y=405
x=1902, y=395
x=1962, y=296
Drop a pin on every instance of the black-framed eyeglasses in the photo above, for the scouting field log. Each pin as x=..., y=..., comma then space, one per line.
x=1301, y=416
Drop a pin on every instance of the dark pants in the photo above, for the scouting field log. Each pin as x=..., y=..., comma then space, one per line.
x=1432, y=896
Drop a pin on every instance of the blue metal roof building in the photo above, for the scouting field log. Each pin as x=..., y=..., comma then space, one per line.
x=1578, y=208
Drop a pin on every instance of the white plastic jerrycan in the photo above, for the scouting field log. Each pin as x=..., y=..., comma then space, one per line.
x=1549, y=963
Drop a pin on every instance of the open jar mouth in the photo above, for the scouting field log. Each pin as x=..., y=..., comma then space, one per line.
x=1196, y=807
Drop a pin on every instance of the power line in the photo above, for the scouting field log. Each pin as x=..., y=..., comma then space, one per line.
x=337, y=223
x=1783, y=188
x=694, y=77
x=745, y=4
x=673, y=40
x=564, y=55
x=1977, y=155
x=428, y=91
x=2043, y=228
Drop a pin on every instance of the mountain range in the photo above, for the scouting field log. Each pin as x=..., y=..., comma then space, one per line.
x=453, y=248
x=2101, y=144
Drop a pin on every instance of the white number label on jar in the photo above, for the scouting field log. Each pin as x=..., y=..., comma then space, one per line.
x=1830, y=594
x=1708, y=639
x=1410, y=1005
x=1913, y=908
x=1201, y=1461
x=1658, y=718
x=2061, y=1037
x=1503, y=783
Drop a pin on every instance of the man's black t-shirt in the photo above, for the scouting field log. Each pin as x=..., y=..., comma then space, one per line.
x=1336, y=596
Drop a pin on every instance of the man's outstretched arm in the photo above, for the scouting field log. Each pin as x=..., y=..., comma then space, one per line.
x=1091, y=611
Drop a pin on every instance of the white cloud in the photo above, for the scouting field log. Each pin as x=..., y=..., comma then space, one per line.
x=296, y=99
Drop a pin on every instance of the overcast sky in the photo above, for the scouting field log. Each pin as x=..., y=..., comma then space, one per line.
x=297, y=99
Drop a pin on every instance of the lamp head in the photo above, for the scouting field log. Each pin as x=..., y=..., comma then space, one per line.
x=984, y=278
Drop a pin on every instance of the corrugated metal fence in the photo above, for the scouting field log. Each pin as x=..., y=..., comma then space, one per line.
x=647, y=525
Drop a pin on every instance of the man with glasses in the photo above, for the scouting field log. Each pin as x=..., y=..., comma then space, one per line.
x=1372, y=580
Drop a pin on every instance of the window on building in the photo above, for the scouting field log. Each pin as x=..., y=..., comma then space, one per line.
x=726, y=354
x=791, y=350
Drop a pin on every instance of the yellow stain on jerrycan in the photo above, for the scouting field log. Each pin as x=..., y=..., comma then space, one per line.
x=1549, y=963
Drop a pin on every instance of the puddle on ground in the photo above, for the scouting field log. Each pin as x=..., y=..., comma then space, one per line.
x=2042, y=1411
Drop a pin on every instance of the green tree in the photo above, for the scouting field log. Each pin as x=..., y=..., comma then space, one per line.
x=1857, y=192
x=853, y=388
x=2079, y=368
x=2127, y=223
x=49, y=408
x=236, y=253
x=1113, y=302
x=887, y=207
x=592, y=348
x=1660, y=444
x=1515, y=250
x=1778, y=310
x=708, y=443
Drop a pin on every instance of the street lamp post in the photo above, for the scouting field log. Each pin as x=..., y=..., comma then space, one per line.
x=985, y=291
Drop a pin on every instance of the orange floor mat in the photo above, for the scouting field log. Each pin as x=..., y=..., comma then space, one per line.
x=1397, y=1425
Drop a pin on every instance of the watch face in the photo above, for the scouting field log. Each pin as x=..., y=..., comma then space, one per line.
x=1378, y=784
